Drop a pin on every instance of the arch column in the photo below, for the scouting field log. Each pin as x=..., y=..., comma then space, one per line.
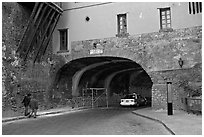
x=159, y=90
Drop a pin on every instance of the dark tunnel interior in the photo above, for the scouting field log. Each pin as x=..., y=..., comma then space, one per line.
x=126, y=75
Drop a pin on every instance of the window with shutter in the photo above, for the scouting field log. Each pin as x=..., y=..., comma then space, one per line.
x=165, y=19
x=63, y=39
x=122, y=25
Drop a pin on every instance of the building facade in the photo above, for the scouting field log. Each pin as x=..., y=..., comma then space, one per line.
x=86, y=21
x=155, y=35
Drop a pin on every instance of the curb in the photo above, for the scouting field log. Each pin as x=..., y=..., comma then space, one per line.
x=43, y=114
x=12, y=119
x=24, y=117
x=156, y=120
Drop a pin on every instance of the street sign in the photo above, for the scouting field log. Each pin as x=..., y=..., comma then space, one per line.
x=96, y=51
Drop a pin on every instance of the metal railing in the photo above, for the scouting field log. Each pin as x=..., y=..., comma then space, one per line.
x=91, y=97
x=193, y=105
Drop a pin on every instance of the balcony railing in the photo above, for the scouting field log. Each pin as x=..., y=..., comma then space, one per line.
x=193, y=105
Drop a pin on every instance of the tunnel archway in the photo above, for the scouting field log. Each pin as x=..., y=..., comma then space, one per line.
x=118, y=75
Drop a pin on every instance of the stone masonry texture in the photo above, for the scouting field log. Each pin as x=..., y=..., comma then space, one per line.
x=153, y=51
x=20, y=78
x=158, y=53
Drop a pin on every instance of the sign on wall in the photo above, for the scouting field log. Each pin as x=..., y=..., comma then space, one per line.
x=96, y=51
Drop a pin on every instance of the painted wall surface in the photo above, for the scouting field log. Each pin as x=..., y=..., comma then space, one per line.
x=142, y=17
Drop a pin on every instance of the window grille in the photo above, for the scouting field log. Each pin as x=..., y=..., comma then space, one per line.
x=195, y=7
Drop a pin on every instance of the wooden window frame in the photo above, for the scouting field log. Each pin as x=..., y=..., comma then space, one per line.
x=122, y=25
x=165, y=19
x=63, y=37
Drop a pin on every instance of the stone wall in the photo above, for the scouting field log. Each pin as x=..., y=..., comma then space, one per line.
x=14, y=21
x=185, y=83
x=158, y=53
x=18, y=77
x=153, y=51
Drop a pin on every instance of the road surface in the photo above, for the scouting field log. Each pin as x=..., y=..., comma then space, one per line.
x=112, y=121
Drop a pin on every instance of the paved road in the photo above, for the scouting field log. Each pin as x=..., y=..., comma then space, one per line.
x=114, y=121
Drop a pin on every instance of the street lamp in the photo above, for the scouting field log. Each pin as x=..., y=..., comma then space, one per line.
x=180, y=62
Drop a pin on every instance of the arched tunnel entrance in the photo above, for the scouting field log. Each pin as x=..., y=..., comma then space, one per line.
x=118, y=75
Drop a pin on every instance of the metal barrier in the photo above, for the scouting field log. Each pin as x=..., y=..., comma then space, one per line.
x=193, y=105
x=91, y=97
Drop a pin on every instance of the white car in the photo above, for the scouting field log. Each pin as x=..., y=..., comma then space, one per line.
x=133, y=100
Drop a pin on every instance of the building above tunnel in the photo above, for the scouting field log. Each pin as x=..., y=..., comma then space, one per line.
x=154, y=35
x=95, y=20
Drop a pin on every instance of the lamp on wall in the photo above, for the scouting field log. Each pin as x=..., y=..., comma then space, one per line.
x=94, y=45
x=180, y=62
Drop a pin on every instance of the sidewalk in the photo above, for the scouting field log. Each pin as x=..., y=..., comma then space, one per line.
x=44, y=112
x=180, y=123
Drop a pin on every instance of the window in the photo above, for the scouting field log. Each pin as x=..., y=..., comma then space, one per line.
x=63, y=39
x=122, y=25
x=165, y=19
x=195, y=7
